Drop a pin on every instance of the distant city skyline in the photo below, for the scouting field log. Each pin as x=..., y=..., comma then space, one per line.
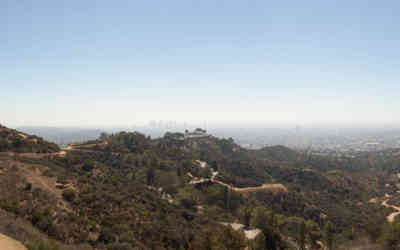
x=121, y=63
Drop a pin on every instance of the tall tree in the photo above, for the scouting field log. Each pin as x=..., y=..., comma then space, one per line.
x=391, y=236
x=214, y=165
x=265, y=220
x=227, y=198
x=103, y=136
x=329, y=235
x=245, y=215
x=301, y=237
x=150, y=175
x=259, y=243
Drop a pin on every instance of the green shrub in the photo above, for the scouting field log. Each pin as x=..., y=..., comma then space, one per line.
x=88, y=165
x=11, y=207
x=68, y=195
x=3, y=144
x=28, y=187
x=43, y=245
x=188, y=203
x=119, y=246
x=17, y=142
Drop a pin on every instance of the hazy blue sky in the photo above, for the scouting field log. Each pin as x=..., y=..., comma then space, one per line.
x=91, y=63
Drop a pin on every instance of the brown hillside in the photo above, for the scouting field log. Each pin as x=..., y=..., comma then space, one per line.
x=14, y=141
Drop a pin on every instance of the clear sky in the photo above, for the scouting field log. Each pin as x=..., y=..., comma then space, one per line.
x=106, y=63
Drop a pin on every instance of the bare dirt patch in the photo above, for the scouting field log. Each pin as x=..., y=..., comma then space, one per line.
x=23, y=136
x=271, y=187
x=7, y=243
x=393, y=215
x=277, y=187
x=34, y=176
x=373, y=200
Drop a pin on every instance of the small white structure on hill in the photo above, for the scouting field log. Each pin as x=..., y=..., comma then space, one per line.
x=250, y=234
x=197, y=133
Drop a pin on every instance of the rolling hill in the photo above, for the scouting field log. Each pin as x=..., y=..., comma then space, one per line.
x=129, y=191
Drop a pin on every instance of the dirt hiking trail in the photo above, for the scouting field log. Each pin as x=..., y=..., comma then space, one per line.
x=393, y=215
x=6, y=243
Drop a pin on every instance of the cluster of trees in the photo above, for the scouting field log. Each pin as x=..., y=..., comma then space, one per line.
x=386, y=234
x=213, y=237
x=128, y=142
x=273, y=226
x=390, y=236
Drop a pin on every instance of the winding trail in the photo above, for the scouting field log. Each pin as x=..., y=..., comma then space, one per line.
x=273, y=187
x=62, y=153
x=6, y=243
x=277, y=187
x=393, y=215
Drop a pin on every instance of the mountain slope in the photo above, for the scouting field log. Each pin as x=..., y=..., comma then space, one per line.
x=128, y=190
x=14, y=141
